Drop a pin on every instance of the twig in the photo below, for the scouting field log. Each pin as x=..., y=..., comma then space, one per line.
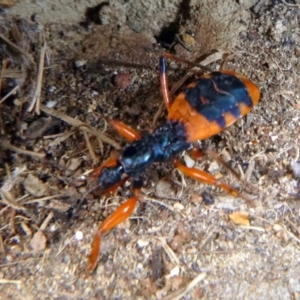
x=18, y=262
x=2, y=127
x=13, y=45
x=214, y=155
x=172, y=256
x=10, y=93
x=3, y=210
x=91, y=150
x=290, y=234
x=181, y=292
x=11, y=73
x=74, y=122
x=16, y=282
x=2, y=248
x=47, y=220
x=4, y=63
x=37, y=93
x=249, y=171
x=43, y=198
x=58, y=135
x=12, y=221
x=67, y=243
x=9, y=200
x=9, y=146
x=252, y=228
x=26, y=229
x=159, y=202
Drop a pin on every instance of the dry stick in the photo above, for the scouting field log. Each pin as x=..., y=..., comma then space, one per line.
x=9, y=146
x=11, y=73
x=10, y=201
x=47, y=221
x=2, y=127
x=74, y=122
x=2, y=248
x=43, y=199
x=13, y=45
x=5, y=281
x=37, y=93
x=10, y=93
x=91, y=150
x=4, y=63
x=181, y=292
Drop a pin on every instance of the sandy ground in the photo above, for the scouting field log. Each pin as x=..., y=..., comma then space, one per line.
x=185, y=240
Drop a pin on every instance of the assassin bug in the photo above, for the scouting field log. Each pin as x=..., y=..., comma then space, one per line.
x=206, y=107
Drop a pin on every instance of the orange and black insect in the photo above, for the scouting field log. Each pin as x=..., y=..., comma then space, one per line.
x=206, y=107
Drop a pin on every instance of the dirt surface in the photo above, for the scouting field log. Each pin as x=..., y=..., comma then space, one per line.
x=185, y=240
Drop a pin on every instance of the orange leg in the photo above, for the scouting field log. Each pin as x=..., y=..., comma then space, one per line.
x=125, y=130
x=119, y=216
x=110, y=162
x=205, y=177
x=196, y=153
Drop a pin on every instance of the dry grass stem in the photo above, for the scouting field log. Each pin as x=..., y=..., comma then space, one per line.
x=10, y=73
x=181, y=292
x=12, y=221
x=271, y=196
x=171, y=254
x=9, y=94
x=158, y=202
x=90, y=147
x=249, y=171
x=4, y=64
x=65, y=245
x=47, y=221
x=13, y=45
x=252, y=228
x=74, y=122
x=44, y=199
x=58, y=135
x=36, y=100
x=290, y=234
x=2, y=248
x=18, y=262
x=10, y=201
x=16, y=282
x=9, y=146
x=26, y=229
x=220, y=160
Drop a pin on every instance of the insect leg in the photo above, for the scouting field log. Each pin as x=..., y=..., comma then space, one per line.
x=110, y=162
x=205, y=177
x=125, y=130
x=119, y=216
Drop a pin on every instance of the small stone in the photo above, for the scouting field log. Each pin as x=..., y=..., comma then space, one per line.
x=38, y=242
x=295, y=167
x=80, y=63
x=122, y=80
